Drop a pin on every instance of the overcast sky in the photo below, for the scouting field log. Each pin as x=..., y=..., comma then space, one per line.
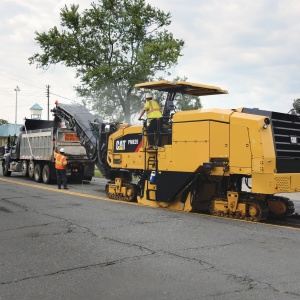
x=250, y=48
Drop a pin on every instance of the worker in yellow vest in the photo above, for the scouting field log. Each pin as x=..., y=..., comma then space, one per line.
x=61, y=168
x=153, y=110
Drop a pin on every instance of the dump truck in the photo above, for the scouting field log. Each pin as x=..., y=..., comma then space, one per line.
x=228, y=162
x=31, y=152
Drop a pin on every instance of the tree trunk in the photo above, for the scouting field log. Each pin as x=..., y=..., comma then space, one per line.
x=127, y=115
x=127, y=111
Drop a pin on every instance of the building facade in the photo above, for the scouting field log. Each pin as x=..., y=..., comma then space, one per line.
x=7, y=130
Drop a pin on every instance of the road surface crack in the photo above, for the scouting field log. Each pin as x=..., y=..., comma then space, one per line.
x=86, y=267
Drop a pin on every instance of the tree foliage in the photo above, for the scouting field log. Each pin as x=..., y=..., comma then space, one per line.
x=2, y=121
x=112, y=45
x=110, y=112
x=296, y=107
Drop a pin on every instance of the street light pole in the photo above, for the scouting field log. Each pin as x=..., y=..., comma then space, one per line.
x=16, y=90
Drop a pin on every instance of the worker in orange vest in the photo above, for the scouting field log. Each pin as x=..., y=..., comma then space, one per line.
x=153, y=115
x=61, y=168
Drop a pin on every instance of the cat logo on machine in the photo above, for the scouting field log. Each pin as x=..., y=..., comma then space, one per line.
x=121, y=145
x=129, y=143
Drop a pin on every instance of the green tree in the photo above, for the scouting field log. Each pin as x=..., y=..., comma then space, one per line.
x=296, y=107
x=2, y=121
x=112, y=45
x=110, y=112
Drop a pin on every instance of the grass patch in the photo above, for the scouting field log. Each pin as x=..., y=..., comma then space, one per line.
x=97, y=173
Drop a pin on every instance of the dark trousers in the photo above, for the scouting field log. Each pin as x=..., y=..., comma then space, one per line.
x=153, y=131
x=61, y=177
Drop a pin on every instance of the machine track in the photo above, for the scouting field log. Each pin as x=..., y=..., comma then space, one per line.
x=290, y=221
x=285, y=207
x=257, y=210
x=131, y=192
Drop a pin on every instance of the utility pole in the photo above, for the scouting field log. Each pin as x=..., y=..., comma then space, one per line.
x=48, y=96
x=17, y=89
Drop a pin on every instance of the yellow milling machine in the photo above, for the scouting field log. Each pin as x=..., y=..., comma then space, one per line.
x=206, y=156
x=228, y=162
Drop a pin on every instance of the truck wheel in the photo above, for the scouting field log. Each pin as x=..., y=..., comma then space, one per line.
x=46, y=175
x=5, y=170
x=38, y=173
x=24, y=168
x=87, y=179
x=31, y=169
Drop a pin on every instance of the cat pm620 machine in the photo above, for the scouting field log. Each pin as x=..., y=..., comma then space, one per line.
x=204, y=158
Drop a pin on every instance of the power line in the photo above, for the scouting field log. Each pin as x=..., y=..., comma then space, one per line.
x=20, y=77
x=62, y=97
x=39, y=87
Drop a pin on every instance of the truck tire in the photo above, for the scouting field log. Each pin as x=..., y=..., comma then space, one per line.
x=31, y=169
x=24, y=168
x=87, y=179
x=46, y=174
x=5, y=170
x=38, y=173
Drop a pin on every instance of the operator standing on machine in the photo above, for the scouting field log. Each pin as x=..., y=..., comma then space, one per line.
x=61, y=168
x=153, y=115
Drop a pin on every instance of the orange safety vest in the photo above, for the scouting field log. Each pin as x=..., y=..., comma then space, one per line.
x=153, y=110
x=60, y=161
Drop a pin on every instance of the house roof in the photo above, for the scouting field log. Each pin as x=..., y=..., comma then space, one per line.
x=36, y=107
x=10, y=129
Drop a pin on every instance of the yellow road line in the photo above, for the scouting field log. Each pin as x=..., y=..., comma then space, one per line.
x=43, y=187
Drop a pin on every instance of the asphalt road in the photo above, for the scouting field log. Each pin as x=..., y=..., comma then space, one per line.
x=74, y=244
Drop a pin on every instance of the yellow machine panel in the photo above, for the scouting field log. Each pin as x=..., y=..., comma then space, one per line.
x=219, y=140
x=218, y=115
x=275, y=183
x=189, y=150
x=240, y=150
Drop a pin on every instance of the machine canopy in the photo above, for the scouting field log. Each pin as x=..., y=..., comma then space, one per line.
x=183, y=87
